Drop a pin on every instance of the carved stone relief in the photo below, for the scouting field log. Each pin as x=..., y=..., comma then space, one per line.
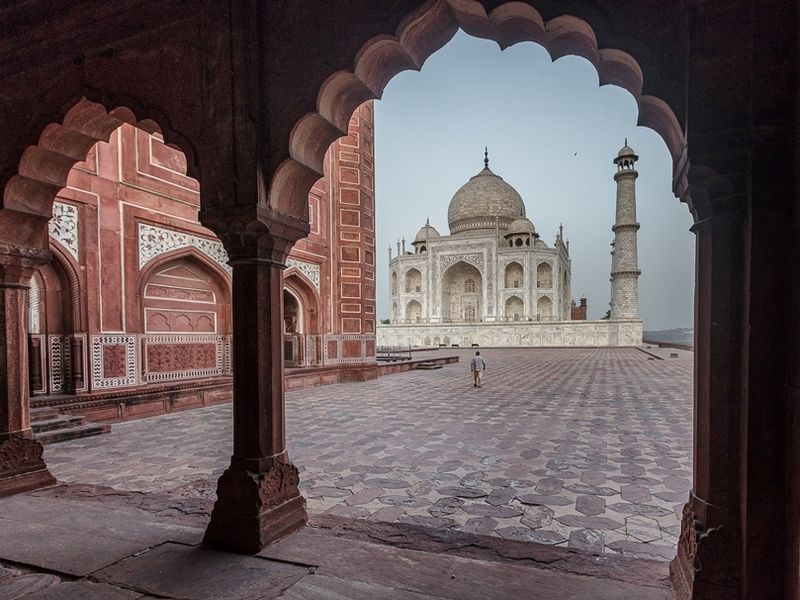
x=63, y=227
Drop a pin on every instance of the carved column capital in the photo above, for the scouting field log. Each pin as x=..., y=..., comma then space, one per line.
x=256, y=233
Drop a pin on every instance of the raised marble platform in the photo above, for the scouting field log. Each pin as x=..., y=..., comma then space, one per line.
x=514, y=334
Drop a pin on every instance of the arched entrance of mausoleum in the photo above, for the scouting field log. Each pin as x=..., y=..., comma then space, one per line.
x=462, y=294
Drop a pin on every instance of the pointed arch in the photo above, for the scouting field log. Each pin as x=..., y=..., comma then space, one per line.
x=515, y=308
x=296, y=282
x=419, y=35
x=514, y=275
x=544, y=308
x=219, y=284
x=414, y=311
x=462, y=293
x=413, y=281
x=544, y=275
x=43, y=168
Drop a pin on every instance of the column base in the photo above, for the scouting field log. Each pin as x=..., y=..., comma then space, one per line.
x=256, y=509
x=706, y=566
x=21, y=466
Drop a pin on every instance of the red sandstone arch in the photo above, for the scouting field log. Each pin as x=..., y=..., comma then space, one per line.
x=43, y=168
x=221, y=278
x=422, y=33
x=302, y=289
x=76, y=283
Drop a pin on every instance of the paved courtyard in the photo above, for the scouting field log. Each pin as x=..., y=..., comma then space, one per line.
x=585, y=448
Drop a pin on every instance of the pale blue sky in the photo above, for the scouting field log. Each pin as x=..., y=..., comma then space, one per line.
x=552, y=133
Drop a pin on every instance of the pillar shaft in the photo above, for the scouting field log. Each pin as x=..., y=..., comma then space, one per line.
x=21, y=464
x=258, y=498
x=708, y=564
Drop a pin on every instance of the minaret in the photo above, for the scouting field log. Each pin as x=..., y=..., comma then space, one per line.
x=624, y=262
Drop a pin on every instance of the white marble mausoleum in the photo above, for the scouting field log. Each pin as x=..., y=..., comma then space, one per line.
x=494, y=282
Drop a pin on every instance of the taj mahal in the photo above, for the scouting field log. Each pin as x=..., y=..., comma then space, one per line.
x=493, y=281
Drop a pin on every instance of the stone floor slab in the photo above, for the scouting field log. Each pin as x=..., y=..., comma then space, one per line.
x=65, y=551
x=450, y=577
x=321, y=587
x=85, y=590
x=568, y=422
x=198, y=573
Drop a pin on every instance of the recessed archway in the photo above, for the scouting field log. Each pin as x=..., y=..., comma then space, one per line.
x=462, y=293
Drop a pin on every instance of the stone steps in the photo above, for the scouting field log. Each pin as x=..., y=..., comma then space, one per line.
x=428, y=366
x=49, y=426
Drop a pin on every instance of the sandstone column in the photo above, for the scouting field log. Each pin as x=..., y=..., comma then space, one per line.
x=625, y=264
x=21, y=464
x=708, y=562
x=258, y=498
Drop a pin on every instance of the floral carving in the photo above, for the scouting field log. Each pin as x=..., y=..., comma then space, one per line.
x=154, y=241
x=683, y=566
x=310, y=270
x=180, y=357
x=446, y=261
x=18, y=453
x=114, y=361
x=279, y=484
x=64, y=226
x=175, y=293
x=183, y=356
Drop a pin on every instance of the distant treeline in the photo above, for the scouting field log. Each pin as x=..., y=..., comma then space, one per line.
x=681, y=335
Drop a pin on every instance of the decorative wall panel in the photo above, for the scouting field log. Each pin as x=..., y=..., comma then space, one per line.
x=174, y=357
x=343, y=349
x=56, y=354
x=310, y=270
x=120, y=352
x=64, y=226
x=154, y=241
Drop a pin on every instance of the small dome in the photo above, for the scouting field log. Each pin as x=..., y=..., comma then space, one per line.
x=522, y=225
x=626, y=152
x=428, y=232
x=483, y=201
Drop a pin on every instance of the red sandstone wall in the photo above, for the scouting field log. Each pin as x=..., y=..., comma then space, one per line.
x=351, y=172
x=137, y=181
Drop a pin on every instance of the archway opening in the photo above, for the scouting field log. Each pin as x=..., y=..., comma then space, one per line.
x=462, y=294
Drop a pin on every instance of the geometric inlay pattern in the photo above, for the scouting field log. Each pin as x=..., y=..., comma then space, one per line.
x=154, y=241
x=121, y=349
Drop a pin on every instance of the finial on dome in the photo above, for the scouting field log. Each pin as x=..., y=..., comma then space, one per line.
x=626, y=140
x=428, y=221
x=486, y=157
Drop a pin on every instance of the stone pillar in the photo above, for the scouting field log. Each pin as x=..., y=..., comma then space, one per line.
x=258, y=500
x=625, y=263
x=708, y=565
x=78, y=369
x=35, y=364
x=21, y=465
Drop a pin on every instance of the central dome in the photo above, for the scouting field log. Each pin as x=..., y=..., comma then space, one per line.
x=483, y=201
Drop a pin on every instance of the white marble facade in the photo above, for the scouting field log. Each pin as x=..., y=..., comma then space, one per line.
x=493, y=267
x=492, y=281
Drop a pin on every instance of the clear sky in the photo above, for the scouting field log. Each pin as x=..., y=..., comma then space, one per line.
x=552, y=133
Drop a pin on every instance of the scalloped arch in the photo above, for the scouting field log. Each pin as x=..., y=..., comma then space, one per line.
x=43, y=168
x=419, y=35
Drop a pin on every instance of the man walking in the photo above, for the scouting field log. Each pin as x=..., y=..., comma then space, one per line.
x=477, y=366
